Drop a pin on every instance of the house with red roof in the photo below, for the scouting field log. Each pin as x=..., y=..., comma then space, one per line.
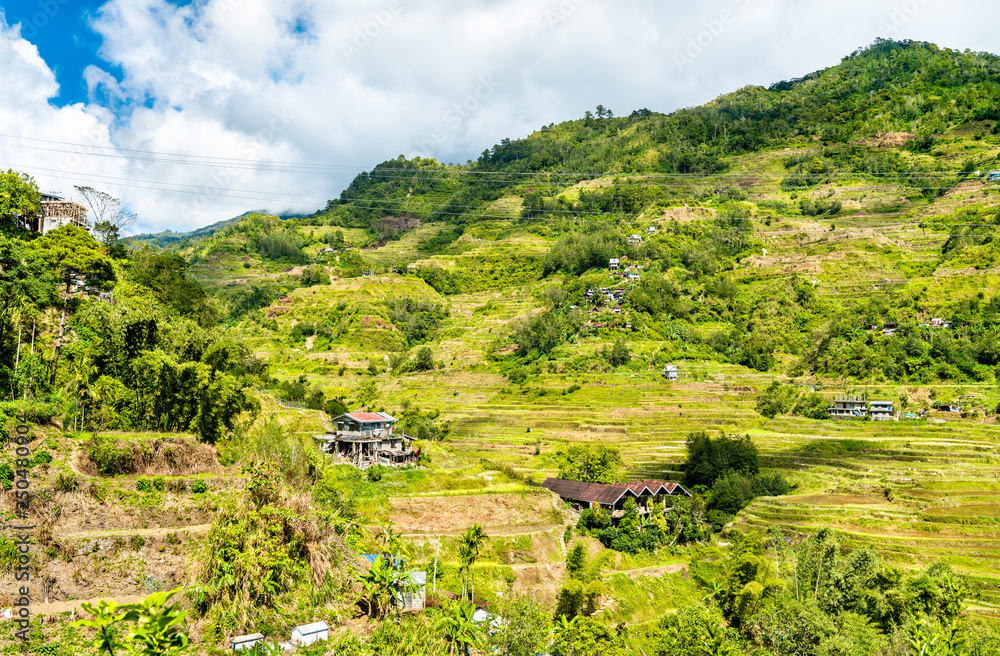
x=369, y=438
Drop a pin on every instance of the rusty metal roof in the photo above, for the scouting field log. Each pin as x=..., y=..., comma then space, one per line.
x=610, y=494
x=369, y=417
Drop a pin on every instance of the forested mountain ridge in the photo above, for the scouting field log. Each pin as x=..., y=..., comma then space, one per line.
x=788, y=222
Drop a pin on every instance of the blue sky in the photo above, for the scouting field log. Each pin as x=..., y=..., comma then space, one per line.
x=193, y=112
x=61, y=31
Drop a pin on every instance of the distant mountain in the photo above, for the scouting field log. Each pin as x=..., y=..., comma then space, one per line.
x=170, y=238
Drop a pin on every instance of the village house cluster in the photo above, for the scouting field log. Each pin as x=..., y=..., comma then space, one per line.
x=890, y=328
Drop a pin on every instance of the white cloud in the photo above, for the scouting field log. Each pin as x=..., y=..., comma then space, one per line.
x=27, y=118
x=353, y=83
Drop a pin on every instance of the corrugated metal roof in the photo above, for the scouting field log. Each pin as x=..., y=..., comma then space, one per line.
x=610, y=494
x=369, y=417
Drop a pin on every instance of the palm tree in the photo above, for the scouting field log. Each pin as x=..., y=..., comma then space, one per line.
x=470, y=544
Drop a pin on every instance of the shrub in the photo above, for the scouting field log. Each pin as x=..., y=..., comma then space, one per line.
x=110, y=457
x=67, y=483
x=709, y=458
x=6, y=476
x=199, y=487
x=374, y=474
x=42, y=458
x=159, y=484
x=137, y=542
x=8, y=554
x=591, y=464
x=144, y=485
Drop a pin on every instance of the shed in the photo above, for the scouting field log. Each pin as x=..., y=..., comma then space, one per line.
x=413, y=599
x=247, y=641
x=307, y=634
x=670, y=372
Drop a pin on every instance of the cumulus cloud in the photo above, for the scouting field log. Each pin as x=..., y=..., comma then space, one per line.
x=343, y=85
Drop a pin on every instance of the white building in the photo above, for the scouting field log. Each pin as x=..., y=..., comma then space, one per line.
x=414, y=598
x=307, y=634
x=881, y=410
x=247, y=641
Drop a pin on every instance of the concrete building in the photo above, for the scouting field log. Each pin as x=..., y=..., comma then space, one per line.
x=881, y=411
x=57, y=212
x=414, y=598
x=849, y=406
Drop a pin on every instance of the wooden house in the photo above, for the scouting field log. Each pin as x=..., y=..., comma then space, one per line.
x=369, y=438
x=613, y=497
x=670, y=372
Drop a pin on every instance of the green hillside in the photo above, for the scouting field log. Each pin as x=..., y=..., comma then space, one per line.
x=829, y=235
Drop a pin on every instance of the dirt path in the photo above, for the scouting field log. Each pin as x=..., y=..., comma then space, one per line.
x=529, y=529
x=151, y=532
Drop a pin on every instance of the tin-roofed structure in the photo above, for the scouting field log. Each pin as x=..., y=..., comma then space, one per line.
x=369, y=438
x=613, y=497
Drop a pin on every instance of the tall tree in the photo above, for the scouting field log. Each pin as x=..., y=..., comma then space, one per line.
x=20, y=200
x=73, y=255
x=470, y=545
x=110, y=216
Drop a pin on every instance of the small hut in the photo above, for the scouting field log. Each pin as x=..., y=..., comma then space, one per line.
x=414, y=598
x=670, y=372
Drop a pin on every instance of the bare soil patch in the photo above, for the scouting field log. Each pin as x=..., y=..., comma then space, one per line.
x=444, y=515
